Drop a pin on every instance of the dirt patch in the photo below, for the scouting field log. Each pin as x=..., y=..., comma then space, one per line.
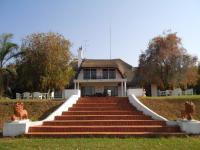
x=37, y=109
x=170, y=108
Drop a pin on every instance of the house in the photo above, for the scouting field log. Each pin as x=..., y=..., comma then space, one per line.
x=104, y=76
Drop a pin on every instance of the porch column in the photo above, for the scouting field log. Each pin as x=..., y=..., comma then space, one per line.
x=122, y=88
x=75, y=85
x=125, y=88
x=78, y=85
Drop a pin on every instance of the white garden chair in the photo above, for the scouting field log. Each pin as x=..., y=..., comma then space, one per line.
x=52, y=95
x=18, y=96
x=27, y=95
x=37, y=95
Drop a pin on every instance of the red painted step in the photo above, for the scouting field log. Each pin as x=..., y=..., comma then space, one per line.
x=102, y=134
x=103, y=129
x=103, y=117
x=99, y=109
x=102, y=113
x=101, y=105
x=103, y=122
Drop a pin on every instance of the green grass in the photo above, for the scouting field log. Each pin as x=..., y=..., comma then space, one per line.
x=178, y=143
x=184, y=97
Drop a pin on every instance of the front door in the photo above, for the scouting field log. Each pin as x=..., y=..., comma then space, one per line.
x=113, y=89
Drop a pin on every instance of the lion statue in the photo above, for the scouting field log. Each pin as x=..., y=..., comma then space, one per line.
x=189, y=110
x=19, y=112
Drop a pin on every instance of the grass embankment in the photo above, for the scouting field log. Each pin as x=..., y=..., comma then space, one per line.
x=171, y=106
x=37, y=109
x=180, y=143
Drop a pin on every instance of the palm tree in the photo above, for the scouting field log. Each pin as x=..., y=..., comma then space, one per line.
x=8, y=51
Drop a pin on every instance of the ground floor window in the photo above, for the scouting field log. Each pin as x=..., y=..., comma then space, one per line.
x=94, y=91
x=88, y=91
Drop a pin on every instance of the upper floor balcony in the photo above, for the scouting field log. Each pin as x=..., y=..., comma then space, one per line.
x=99, y=74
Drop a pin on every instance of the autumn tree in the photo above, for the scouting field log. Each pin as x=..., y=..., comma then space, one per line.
x=197, y=86
x=44, y=64
x=167, y=64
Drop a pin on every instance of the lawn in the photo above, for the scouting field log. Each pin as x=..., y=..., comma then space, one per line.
x=183, y=97
x=167, y=106
x=178, y=143
x=37, y=109
x=170, y=107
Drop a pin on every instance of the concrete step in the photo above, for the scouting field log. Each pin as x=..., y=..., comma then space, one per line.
x=155, y=128
x=103, y=101
x=102, y=113
x=102, y=134
x=100, y=108
x=102, y=117
x=103, y=122
x=101, y=105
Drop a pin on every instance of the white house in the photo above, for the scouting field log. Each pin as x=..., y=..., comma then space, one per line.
x=103, y=76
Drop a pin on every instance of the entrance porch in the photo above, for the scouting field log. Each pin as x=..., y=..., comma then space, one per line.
x=116, y=87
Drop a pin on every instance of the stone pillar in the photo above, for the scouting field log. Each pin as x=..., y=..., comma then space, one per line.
x=78, y=85
x=122, y=88
x=75, y=85
x=154, y=90
x=125, y=88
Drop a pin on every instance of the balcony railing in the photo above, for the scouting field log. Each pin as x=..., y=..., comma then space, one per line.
x=98, y=77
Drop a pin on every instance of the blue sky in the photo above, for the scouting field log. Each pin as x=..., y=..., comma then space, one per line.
x=86, y=22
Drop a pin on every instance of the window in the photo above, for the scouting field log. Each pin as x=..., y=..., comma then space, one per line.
x=105, y=73
x=89, y=73
x=93, y=73
x=87, y=91
x=112, y=74
x=109, y=74
x=86, y=73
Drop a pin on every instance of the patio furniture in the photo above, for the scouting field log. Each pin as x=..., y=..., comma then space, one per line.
x=27, y=95
x=37, y=95
x=44, y=95
x=18, y=96
x=52, y=95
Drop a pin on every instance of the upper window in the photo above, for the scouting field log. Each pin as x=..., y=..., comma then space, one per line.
x=93, y=73
x=112, y=74
x=105, y=73
x=86, y=73
x=89, y=73
x=109, y=74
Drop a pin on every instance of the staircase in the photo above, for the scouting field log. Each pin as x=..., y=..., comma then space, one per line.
x=103, y=117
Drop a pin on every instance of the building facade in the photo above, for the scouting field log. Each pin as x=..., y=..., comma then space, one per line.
x=100, y=77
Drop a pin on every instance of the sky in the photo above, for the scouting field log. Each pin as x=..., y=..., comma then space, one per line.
x=87, y=23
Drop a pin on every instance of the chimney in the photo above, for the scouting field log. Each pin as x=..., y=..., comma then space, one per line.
x=80, y=56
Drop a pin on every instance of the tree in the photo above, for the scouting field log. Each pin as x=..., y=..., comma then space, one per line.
x=197, y=86
x=167, y=64
x=44, y=64
x=8, y=51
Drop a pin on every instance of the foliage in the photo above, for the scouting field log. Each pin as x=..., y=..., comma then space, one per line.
x=197, y=86
x=8, y=51
x=167, y=64
x=45, y=62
